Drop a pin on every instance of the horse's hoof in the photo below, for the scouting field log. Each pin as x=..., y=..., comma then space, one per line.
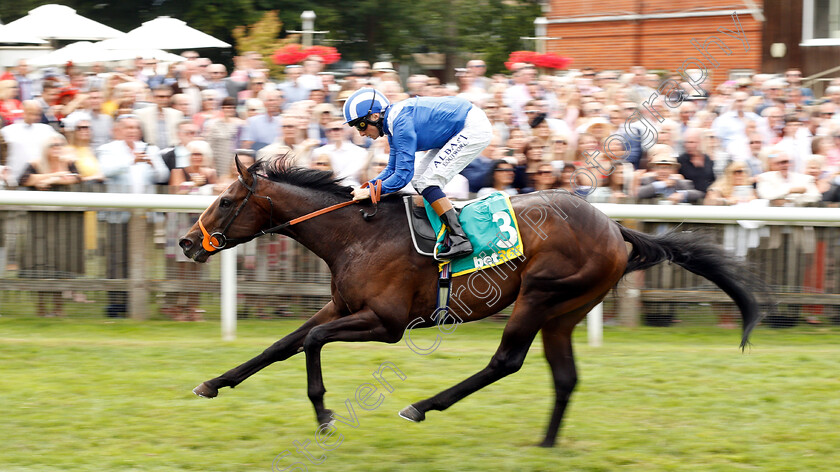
x=206, y=391
x=412, y=414
x=326, y=418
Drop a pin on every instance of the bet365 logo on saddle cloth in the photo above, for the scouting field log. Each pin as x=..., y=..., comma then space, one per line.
x=493, y=231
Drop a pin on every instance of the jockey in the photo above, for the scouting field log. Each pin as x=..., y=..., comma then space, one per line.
x=452, y=130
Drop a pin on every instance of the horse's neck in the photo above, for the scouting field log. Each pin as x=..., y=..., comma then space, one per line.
x=329, y=235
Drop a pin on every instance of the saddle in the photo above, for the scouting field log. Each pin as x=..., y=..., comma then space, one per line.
x=422, y=234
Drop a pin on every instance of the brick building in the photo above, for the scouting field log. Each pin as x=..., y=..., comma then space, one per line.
x=657, y=34
x=663, y=34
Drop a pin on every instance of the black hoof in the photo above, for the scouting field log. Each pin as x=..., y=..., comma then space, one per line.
x=412, y=414
x=546, y=444
x=326, y=417
x=206, y=391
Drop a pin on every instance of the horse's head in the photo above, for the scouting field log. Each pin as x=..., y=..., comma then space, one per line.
x=237, y=216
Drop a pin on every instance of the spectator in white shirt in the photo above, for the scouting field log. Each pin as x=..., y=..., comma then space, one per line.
x=781, y=185
x=347, y=159
x=130, y=165
x=25, y=140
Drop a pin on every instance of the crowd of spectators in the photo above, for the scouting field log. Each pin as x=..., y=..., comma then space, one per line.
x=608, y=136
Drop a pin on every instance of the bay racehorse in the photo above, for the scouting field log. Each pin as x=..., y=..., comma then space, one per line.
x=380, y=286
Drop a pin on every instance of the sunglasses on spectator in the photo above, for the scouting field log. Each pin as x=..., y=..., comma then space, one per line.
x=756, y=142
x=380, y=164
x=83, y=127
x=160, y=95
x=288, y=126
x=543, y=172
x=738, y=171
x=504, y=169
x=784, y=162
x=826, y=113
x=334, y=129
x=253, y=109
x=321, y=163
x=560, y=141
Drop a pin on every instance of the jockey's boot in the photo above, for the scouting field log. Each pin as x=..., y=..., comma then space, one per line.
x=459, y=243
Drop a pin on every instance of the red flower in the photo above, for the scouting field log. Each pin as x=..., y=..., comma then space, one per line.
x=289, y=54
x=328, y=54
x=546, y=61
x=552, y=61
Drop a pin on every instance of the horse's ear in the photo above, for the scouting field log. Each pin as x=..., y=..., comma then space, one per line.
x=243, y=171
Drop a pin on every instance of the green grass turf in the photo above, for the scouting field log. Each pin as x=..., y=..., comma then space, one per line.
x=97, y=395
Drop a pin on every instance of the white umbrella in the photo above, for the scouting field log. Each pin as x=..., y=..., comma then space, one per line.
x=165, y=33
x=84, y=52
x=62, y=22
x=16, y=35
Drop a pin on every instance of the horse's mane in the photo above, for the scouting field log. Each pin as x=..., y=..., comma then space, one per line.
x=282, y=170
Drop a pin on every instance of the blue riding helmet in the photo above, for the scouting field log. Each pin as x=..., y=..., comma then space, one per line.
x=362, y=104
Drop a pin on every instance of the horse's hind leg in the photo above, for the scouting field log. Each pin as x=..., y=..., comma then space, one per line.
x=557, y=344
x=516, y=339
x=279, y=351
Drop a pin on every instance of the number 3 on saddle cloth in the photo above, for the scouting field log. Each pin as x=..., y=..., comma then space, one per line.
x=490, y=225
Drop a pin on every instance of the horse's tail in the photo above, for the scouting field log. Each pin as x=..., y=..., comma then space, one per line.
x=697, y=253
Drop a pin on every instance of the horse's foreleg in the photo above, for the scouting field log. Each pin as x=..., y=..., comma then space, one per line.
x=358, y=327
x=557, y=344
x=517, y=337
x=279, y=351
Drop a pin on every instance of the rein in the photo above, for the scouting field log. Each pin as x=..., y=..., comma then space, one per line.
x=217, y=240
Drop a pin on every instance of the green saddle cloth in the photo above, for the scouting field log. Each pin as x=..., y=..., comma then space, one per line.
x=493, y=231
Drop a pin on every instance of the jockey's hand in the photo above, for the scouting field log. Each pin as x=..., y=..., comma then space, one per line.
x=361, y=193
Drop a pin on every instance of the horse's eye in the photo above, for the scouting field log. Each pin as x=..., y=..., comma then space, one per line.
x=225, y=203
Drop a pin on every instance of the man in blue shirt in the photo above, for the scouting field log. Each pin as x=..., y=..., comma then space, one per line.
x=451, y=130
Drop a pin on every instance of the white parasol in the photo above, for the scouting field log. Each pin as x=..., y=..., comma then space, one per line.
x=63, y=23
x=165, y=33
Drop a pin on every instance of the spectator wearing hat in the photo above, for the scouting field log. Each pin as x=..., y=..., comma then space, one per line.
x=694, y=164
x=781, y=185
x=663, y=182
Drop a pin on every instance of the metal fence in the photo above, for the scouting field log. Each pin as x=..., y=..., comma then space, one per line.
x=115, y=255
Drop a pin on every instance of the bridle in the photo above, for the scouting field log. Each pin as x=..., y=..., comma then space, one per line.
x=216, y=241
